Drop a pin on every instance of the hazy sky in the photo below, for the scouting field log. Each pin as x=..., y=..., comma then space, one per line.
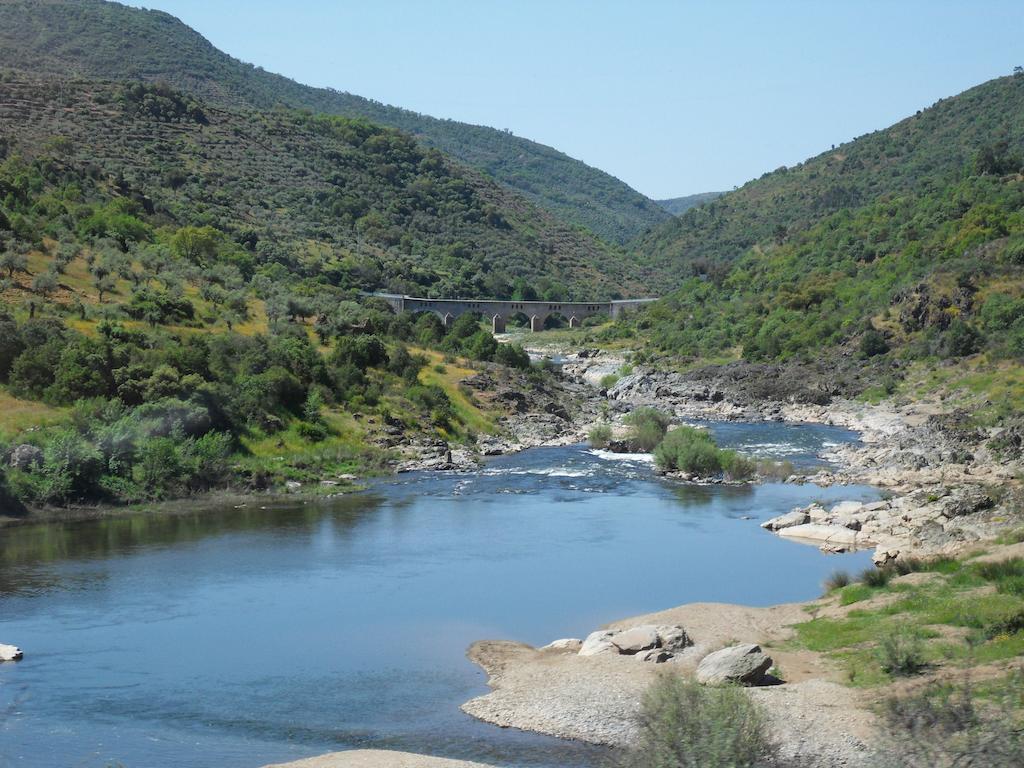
x=672, y=97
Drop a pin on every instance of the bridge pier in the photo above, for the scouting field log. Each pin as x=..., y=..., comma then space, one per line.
x=497, y=324
x=448, y=319
x=537, y=323
x=574, y=322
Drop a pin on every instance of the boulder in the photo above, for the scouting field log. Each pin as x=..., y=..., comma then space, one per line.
x=630, y=641
x=744, y=664
x=788, y=520
x=846, y=508
x=573, y=644
x=673, y=638
x=634, y=640
x=10, y=653
x=828, y=534
x=598, y=643
x=26, y=457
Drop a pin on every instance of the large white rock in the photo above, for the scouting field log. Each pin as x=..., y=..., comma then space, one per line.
x=10, y=653
x=636, y=639
x=599, y=643
x=745, y=664
x=823, y=533
x=565, y=644
x=788, y=520
x=844, y=508
x=673, y=638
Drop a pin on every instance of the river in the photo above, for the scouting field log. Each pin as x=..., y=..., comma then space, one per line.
x=252, y=635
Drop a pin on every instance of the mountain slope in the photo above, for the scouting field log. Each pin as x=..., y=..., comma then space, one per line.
x=904, y=245
x=99, y=39
x=363, y=206
x=680, y=205
x=929, y=148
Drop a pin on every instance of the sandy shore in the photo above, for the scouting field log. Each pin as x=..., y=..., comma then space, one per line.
x=376, y=758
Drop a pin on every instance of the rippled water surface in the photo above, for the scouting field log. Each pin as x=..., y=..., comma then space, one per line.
x=246, y=636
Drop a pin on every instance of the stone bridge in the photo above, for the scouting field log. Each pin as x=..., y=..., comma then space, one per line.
x=498, y=312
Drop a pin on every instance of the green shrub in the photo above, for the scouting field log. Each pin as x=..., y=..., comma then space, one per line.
x=609, y=380
x=901, y=653
x=941, y=725
x=314, y=432
x=159, y=469
x=648, y=428
x=71, y=468
x=737, y=466
x=873, y=343
x=600, y=435
x=837, y=580
x=685, y=725
x=875, y=577
x=693, y=450
x=512, y=355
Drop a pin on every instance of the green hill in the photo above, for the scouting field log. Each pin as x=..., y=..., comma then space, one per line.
x=180, y=304
x=906, y=244
x=345, y=201
x=679, y=205
x=98, y=39
x=931, y=148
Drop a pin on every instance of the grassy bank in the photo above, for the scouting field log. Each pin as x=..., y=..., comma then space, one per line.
x=944, y=619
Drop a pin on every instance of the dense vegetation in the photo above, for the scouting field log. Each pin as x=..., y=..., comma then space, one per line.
x=99, y=39
x=685, y=725
x=340, y=201
x=680, y=205
x=906, y=245
x=176, y=313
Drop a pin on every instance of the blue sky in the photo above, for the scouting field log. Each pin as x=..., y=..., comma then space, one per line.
x=671, y=97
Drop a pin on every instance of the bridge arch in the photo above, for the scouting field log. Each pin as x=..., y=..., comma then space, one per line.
x=499, y=312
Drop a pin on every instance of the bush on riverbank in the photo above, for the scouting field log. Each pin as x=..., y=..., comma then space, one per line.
x=948, y=725
x=685, y=725
x=600, y=435
x=647, y=429
x=692, y=450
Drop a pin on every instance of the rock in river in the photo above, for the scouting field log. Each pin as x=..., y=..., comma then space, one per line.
x=745, y=664
x=788, y=520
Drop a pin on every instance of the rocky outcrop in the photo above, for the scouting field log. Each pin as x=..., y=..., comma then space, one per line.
x=932, y=520
x=10, y=653
x=744, y=664
x=25, y=457
x=636, y=641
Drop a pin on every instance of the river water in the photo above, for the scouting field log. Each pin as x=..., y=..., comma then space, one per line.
x=246, y=636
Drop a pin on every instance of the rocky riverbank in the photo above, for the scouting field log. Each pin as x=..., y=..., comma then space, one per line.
x=568, y=689
x=952, y=487
x=953, y=484
x=377, y=758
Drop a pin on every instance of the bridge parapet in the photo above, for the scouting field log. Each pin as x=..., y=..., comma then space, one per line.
x=499, y=311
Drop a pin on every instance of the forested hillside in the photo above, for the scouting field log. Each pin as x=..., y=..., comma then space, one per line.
x=350, y=203
x=907, y=244
x=180, y=302
x=929, y=150
x=680, y=205
x=99, y=39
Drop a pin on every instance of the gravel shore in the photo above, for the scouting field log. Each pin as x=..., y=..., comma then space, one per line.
x=597, y=698
x=376, y=758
